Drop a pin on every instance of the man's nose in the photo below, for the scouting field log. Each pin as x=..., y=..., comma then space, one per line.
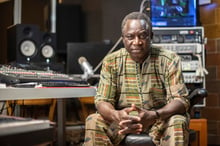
x=137, y=41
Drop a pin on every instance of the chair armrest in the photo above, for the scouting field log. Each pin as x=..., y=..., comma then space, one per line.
x=138, y=140
x=197, y=95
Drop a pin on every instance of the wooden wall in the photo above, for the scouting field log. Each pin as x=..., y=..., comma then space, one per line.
x=6, y=19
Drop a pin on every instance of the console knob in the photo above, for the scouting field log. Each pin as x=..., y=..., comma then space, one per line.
x=180, y=39
x=156, y=39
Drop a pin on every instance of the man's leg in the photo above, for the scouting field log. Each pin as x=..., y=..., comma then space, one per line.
x=177, y=133
x=100, y=133
x=174, y=132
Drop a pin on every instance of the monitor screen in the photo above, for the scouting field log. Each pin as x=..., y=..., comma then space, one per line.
x=94, y=52
x=174, y=13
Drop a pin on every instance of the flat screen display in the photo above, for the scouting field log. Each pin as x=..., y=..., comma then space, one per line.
x=94, y=52
x=174, y=13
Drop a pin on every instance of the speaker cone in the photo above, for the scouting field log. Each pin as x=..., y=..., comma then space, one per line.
x=28, y=48
x=47, y=51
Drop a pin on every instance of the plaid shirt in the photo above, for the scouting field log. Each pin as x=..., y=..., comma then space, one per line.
x=150, y=85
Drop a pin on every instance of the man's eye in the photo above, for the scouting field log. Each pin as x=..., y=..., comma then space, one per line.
x=143, y=36
x=129, y=37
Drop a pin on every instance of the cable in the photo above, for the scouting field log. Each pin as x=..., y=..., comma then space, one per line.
x=201, y=70
x=142, y=6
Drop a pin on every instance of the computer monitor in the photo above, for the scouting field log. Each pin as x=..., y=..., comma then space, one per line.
x=174, y=13
x=94, y=52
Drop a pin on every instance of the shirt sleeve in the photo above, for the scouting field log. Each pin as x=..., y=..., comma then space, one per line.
x=107, y=84
x=175, y=86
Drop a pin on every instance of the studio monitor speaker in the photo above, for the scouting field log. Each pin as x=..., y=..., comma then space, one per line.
x=23, y=43
x=27, y=44
x=47, y=47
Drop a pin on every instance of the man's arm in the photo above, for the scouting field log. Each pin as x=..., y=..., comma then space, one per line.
x=107, y=111
x=148, y=117
x=177, y=102
x=174, y=107
x=128, y=123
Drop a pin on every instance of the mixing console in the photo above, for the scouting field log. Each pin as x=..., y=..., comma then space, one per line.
x=13, y=75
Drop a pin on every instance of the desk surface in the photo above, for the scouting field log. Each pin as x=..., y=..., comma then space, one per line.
x=49, y=92
x=43, y=93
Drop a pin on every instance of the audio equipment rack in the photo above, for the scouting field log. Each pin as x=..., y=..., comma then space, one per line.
x=189, y=44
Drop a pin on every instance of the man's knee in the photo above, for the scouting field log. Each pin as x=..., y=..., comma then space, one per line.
x=95, y=119
x=92, y=118
x=179, y=120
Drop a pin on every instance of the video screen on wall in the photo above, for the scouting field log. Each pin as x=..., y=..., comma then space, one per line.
x=174, y=13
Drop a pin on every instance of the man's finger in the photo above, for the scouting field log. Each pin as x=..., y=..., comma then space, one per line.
x=129, y=109
x=128, y=130
x=131, y=119
x=137, y=108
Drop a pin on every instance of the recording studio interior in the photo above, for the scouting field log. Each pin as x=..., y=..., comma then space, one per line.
x=52, y=53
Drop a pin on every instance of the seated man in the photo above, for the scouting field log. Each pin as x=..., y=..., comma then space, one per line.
x=141, y=90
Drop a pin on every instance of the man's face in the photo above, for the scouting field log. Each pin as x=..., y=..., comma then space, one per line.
x=136, y=39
